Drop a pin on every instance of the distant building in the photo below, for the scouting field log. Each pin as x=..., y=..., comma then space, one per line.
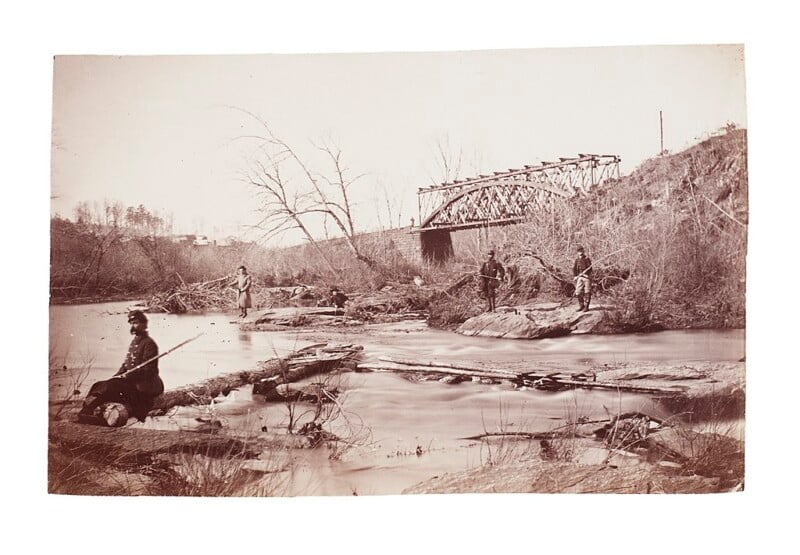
x=182, y=239
x=225, y=241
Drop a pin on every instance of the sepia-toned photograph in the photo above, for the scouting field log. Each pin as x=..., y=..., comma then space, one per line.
x=363, y=274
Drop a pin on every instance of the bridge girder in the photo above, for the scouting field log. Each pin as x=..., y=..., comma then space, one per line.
x=512, y=196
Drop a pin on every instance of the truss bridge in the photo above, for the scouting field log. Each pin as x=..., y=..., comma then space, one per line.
x=511, y=196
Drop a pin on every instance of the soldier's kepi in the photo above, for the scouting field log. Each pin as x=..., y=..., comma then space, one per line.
x=582, y=272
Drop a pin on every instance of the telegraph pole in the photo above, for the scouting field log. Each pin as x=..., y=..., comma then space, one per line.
x=661, y=152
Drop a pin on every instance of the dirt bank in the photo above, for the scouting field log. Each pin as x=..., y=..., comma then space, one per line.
x=542, y=477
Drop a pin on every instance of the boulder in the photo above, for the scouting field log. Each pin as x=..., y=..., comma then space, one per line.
x=538, y=321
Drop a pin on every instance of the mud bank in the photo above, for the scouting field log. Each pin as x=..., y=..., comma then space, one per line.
x=543, y=477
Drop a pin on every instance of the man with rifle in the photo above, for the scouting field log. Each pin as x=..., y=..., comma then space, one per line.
x=582, y=270
x=136, y=384
x=492, y=273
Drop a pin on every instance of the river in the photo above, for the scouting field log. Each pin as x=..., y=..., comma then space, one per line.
x=400, y=417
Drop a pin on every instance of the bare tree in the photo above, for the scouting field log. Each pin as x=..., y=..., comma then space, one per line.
x=320, y=194
x=448, y=162
x=149, y=230
x=393, y=204
x=102, y=232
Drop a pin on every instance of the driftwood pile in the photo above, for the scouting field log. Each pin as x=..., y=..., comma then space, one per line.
x=399, y=301
x=214, y=294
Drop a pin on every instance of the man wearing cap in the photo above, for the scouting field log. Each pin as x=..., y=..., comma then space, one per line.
x=492, y=273
x=582, y=270
x=136, y=383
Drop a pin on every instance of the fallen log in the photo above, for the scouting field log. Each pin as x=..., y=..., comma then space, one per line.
x=436, y=370
x=434, y=367
x=614, y=429
x=445, y=366
x=528, y=374
x=268, y=375
x=547, y=380
x=515, y=435
x=314, y=359
x=557, y=384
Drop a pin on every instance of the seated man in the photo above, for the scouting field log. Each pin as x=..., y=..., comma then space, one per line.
x=137, y=383
x=337, y=298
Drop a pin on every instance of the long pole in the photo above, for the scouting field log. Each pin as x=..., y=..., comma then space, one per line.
x=165, y=353
x=661, y=127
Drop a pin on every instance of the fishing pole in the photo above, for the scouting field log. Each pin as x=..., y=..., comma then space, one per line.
x=583, y=273
x=165, y=353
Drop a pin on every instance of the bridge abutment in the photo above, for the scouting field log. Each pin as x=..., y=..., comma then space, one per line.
x=436, y=245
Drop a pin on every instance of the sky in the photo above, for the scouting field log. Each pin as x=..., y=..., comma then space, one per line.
x=164, y=131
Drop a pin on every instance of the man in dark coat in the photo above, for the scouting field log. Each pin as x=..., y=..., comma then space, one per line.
x=582, y=270
x=135, y=384
x=337, y=298
x=492, y=273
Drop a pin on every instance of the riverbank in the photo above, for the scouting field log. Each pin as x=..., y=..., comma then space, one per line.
x=419, y=421
x=452, y=307
x=98, y=299
x=205, y=452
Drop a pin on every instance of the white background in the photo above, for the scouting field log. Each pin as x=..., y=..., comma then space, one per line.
x=760, y=518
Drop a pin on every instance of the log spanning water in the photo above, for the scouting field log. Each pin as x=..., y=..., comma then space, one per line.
x=547, y=379
x=314, y=359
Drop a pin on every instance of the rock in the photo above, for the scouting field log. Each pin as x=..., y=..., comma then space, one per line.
x=507, y=325
x=538, y=321
x=587, y=322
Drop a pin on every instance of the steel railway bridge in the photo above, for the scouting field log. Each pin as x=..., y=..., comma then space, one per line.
x=505, y=197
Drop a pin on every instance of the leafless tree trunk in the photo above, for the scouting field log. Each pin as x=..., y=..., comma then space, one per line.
x=324, y=195
x=102, y=236
x=449, y=163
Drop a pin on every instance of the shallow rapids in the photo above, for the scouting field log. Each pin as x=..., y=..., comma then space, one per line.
x=414, y=430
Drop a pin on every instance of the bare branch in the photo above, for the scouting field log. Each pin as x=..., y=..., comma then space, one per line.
x=280, y=203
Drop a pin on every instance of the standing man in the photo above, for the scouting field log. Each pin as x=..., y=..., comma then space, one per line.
x=243, y=283
x=135, y=384
x=492, y=273
x=582, y=270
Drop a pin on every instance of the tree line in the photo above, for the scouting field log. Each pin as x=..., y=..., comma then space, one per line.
x=110, y=250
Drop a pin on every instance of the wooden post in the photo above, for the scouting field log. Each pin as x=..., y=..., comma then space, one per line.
x=661, y=152
x=419, y=209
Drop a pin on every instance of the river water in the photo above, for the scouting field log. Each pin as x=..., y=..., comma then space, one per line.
x=396, y=418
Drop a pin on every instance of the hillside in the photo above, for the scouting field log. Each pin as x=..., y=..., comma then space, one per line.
x=668, y=243
x=714, y=170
